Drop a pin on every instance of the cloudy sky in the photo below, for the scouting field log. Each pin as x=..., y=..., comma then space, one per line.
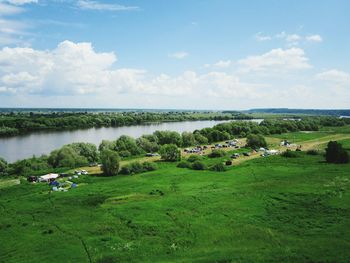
x=198, y=54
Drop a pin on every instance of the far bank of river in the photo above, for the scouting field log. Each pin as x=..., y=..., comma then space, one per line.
x=38, y=143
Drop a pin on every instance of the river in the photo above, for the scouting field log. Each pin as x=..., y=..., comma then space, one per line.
x=43, y=142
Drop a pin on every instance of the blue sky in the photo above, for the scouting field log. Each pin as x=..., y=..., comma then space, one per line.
x=175, y=54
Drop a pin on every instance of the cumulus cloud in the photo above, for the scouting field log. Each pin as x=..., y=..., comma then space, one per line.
x=277, y=60
x=178, y=55
x=94, y=5
x=77, y=69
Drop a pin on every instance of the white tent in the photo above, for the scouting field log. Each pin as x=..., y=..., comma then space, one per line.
x=47, y=177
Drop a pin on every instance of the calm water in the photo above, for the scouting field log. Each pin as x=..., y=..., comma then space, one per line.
x=38, y=143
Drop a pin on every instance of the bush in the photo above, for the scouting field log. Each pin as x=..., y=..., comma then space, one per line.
x=198, y=165
x=256, y=141
x=170, y=153
x=183, y=164
x=217, y=153
x=137, y=167
x=312, y=152
x=149, y=166
x=335, y=153
x=125, y=170
x=219, y=167
x=192, y=158
x=289, y=154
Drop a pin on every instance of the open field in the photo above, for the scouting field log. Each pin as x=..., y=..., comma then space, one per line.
x=264, y=210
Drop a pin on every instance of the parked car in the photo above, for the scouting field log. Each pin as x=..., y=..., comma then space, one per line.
x=84, y=172
x=246, y=154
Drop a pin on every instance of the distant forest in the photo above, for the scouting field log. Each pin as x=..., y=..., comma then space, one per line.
x=344, y=112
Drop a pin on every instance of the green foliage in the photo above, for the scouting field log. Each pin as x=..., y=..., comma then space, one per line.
x=3, y=167
x=168, y=137
x=67, y=156
x=198, y=165
x=194, y=157
x=183, y=164
x=256, y=141
x=312, y=152
x=289, y=154
x=200, y=139
x=218, y=167
x=147, y=144
x=105, y=144
x=335, y=153
x=127, y=144
x=170, y=153
x=88, y=150
x=188, y=139
x=137, y=167
x=217, y=153
x=110, y=162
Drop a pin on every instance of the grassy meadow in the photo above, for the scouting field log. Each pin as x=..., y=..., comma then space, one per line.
x=272, y=209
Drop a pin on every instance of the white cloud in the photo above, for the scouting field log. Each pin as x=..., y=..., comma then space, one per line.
x=223, y=63
x=260, y=37
x=6, y=9
x=179, y=55
x=314, y=38
x=94, y=5
x=75, y=74
x=277, y=60
x=334, y=75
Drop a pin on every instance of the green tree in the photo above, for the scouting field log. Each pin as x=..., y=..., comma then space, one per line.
x=127, y=144
x=188, y=139
x=3, y=166
x=335, y=153
x=110, y=162
x=170, y=152
x=256, y=140
x=168, y=137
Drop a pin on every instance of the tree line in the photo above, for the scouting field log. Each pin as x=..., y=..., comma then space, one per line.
x=23, y=122
x=165, y=142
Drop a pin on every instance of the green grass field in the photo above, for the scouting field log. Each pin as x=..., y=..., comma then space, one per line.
x=272, y=209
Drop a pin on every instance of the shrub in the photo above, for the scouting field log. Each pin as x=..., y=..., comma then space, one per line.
x=170, y=153
x=312, y=152
x=137, y=167
x=256, y=141
x=289, y=154
x=198, y=165
x=335, y=153
x=217, y=153
x=149, y=166
x=125, y=170
x=219, y=167
x=183, y=164
x=192, y=158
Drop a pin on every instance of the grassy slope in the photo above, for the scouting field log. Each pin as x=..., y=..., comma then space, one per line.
x=268, y=209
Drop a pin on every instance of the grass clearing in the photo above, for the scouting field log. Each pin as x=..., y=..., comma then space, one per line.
x=266, y=210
